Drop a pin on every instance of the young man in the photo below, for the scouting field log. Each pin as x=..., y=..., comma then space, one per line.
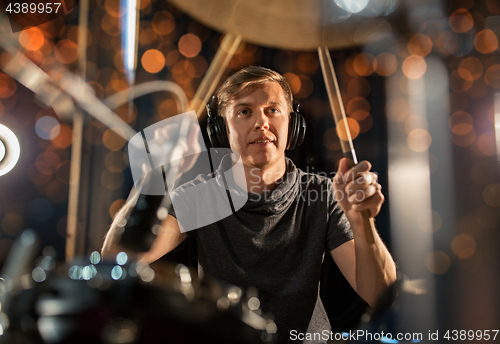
x=276, y=241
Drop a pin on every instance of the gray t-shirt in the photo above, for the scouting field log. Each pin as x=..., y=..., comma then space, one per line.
x=275, y=243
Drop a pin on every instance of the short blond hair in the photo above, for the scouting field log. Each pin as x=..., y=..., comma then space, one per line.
x=246, y=77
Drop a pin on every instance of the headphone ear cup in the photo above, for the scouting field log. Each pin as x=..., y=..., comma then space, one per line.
x=216, y=128
x=296, y=130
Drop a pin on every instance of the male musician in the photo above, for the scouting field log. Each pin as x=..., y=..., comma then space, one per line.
x=277, y=240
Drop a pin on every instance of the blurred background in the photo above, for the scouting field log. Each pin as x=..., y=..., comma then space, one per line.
x=421, y=89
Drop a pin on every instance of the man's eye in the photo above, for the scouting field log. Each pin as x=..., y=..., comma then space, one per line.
x=243, y=112
x=273, y=110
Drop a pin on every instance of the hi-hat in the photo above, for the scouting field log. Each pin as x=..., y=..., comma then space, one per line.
x=294, y=24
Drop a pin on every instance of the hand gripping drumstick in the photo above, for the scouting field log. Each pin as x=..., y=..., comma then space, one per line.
x=332, y=88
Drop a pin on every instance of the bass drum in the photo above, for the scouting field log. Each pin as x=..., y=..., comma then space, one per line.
x=111, y=303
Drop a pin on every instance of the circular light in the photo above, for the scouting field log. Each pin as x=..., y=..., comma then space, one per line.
x=10, y=148
x=47, y=127
x=352, y=6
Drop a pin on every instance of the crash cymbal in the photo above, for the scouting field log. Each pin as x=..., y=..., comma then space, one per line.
x=294, y=24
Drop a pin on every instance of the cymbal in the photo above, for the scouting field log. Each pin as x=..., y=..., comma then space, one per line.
x=292, y=24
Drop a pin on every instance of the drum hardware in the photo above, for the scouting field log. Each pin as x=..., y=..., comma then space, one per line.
x=108, y=302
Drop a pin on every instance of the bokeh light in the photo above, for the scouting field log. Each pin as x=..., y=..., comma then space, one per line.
x=486, y=41
x=189, y=45
x=491, y=194
x=31, y=39
x=47, y=127
x=163, y=23
x=492, y=76
x=112, y=140
x=115, y=207
x=386, y=64
x=414, y=67
x=438, y=262
x=419, y=140
x=463, y=246
x=420, y=45
x=461, y=21
x=470, y=68
x=364, y=64
x=66, y=51
x=457, y=83
x=460, y=123
x=7, y=87
x=486, y=143
x=293, y=81
x=353, y=128
x=12, y=224
x=358, y=87
x=65, y=137
x=153, y=61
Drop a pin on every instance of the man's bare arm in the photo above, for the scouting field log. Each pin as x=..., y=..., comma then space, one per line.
x=368, y=268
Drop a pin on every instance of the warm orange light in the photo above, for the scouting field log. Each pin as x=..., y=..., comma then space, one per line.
x=353, y=129
x=464, y=246
x=364, y=64
x=358, y=87
x=357, y=103
x=189, y=45
x=306, y=88
x=65, y=137
x=112, y=140
x=172, y=57
x=115, y=207
x=113, y=8
x=457, y=83
x=438, y=262
x=491, y=194
x=66, y=51
x=163, y=23
x=419, y=140
x=32, y=39
x=492, y=76
x=487, y=143
x=7, y=86
x=486, y=41
x=294, y=82
x=464, y=140
x=414, y=67
x=386, y=64
x=12, y=224
x=460, y=122
x=461, y=21
x=420, y=45
x=470, y=68
x=153, y=61
x=307, y=63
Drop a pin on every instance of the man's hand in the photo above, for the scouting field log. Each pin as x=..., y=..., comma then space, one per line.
x=357, y=189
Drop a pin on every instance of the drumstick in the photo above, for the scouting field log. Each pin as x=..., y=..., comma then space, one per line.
x=332, y=88
x=228, y=47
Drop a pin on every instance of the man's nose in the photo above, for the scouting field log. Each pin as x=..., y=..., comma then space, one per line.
x=262, y=121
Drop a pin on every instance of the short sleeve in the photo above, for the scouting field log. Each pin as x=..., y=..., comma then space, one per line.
x=339, y=228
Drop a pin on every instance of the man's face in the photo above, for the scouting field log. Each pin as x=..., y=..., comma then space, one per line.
x=257, y=124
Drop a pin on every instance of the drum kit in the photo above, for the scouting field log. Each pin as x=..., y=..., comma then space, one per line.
x=124, y=301
x=95, y=301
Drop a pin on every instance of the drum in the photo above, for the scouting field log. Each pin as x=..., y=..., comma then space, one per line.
x=120, y=302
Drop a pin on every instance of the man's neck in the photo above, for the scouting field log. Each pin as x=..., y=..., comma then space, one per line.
x=262, y=179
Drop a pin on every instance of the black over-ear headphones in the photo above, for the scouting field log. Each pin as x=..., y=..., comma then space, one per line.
x=217, y=134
